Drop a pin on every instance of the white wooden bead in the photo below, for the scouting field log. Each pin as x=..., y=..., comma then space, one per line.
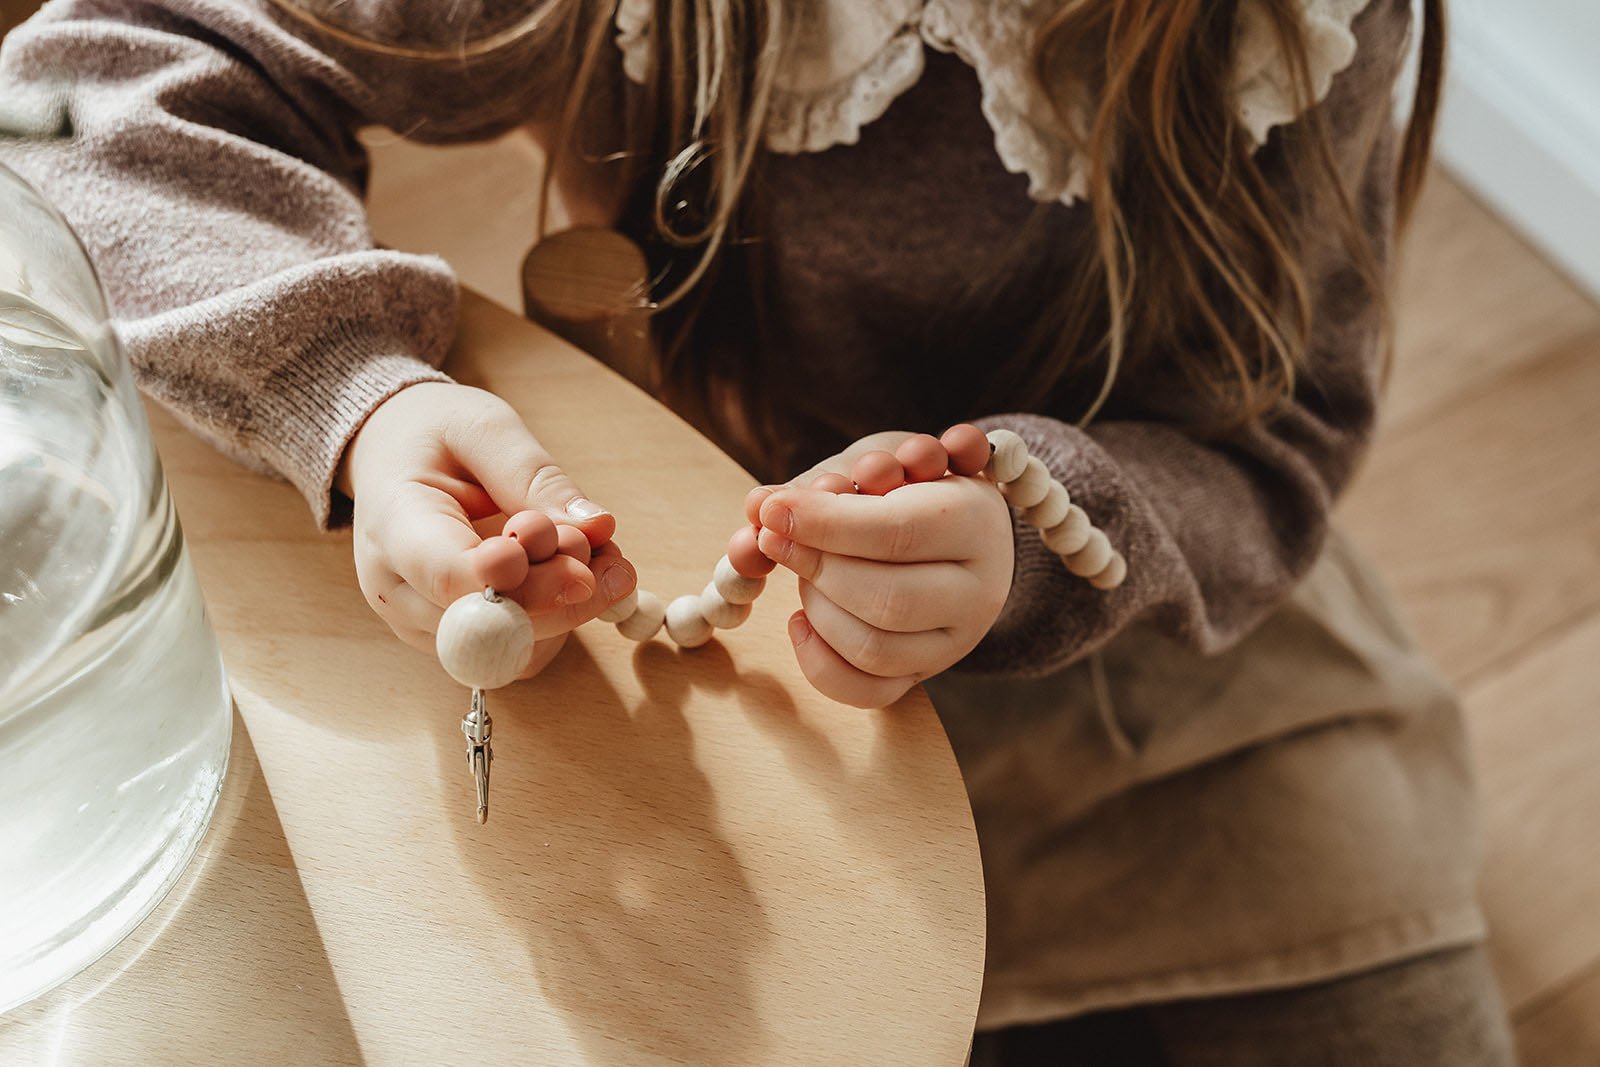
x=686, y=623
x=484, y=643
x=648, y=615
x=735, y=587
x=720, y=613
x=1010, y=456
x=1030, y=487
x=1113, y=574
x=1051, y=510
x=621, y=609
x=1070, y=534
x=1092, y=558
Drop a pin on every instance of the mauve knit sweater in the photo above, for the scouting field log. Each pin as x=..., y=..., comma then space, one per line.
x=205, y=151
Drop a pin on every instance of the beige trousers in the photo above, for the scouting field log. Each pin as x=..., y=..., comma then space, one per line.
x=1159, y=825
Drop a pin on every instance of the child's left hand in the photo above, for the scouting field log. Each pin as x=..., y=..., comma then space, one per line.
x=893, y=589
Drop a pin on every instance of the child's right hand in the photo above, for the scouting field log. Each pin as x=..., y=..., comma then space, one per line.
x=428, y=463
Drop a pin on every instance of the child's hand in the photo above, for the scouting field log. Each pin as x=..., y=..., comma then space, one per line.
x=895, y=588
x=429, y=462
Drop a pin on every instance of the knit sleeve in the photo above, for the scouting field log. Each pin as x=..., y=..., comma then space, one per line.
x=205, y=153
x=1217, y=530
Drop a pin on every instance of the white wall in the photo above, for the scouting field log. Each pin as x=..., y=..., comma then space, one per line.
x=1521, y=120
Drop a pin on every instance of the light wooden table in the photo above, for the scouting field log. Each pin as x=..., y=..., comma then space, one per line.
x=691, y=858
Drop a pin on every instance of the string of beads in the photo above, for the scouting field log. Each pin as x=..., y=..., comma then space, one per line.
x=480, y=646
x=485, y=640
x=964, y=450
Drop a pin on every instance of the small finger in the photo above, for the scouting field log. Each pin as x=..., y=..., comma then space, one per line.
x=903, y=597
x=835, y=678
x=866, y=647
x=612, y=578
x=403, y=608
x=913, y=524
x=752, y=502
x=427, y=537
x=558, y=582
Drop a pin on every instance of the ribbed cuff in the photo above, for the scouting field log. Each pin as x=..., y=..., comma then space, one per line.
x=316, y=404
x=1051, y=617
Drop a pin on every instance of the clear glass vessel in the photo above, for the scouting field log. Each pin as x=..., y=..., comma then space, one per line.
x=114, y=713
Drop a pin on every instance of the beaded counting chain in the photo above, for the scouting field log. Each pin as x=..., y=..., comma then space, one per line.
x=484, y=640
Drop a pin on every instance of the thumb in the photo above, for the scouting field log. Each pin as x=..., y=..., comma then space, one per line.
x=519, y=475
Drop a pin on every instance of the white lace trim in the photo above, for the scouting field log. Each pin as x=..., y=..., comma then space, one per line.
x=1263, y=84
x=854, y=57
x=812, y=120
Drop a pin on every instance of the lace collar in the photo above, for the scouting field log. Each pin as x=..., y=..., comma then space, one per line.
x=852, y=58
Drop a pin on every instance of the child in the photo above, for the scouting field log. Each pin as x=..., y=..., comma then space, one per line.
x=1223, y=808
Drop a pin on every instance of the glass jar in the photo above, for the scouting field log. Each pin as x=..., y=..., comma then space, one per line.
x=115, y=716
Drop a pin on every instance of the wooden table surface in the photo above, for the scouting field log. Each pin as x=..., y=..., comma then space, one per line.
x=691, y=856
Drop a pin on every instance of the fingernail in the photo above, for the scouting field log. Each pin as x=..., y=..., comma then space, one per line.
x=799, y=630
x=616, y=582
x=573, y=593
x=774, y=545
x=778, y=517
x=583, y=508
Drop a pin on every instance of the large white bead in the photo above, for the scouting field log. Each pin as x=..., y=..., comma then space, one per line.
x=1092, y=558
x=648, y=615
x=1112, y=575
x=735, y=587
x=484, y=643
x=686, y=623
x=621, y=609
x=1051, y=510
x=1010, y=456
x=1030, y=487
x=1070, y=534
x=720, y=613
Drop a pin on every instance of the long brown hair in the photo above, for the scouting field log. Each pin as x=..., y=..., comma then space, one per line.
x=1189, y=228
x=1198, y=266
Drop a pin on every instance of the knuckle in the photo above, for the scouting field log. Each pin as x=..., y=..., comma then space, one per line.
x=873, y=652
x=545, y=477
x=438, y=591
x=904, y=536
x=892, y=607
x=807, y=562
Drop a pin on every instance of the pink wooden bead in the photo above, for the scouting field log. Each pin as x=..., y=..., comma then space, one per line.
x=968, y=448
x=877, y=473
x=834, y=483
x=923, y=458
x=500, y=564
x=745, y=556
x=535, y=532
x=570, y=541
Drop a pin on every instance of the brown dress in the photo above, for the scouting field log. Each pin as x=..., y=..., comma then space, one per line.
x=1234, y=772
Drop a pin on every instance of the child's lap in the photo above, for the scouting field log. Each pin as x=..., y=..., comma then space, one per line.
x=1158, y=825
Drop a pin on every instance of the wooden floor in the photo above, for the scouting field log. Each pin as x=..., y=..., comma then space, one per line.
x=1481, y=500
x=1482, y=503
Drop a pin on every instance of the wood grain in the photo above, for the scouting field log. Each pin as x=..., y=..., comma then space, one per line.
x=1482, y=499
x=1486, y=515
x=1536, y=734
x=693, y=857
x=1474, y=302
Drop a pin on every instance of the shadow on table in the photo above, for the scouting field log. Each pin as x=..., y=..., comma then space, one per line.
x=228, y=967
x=639, y=919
